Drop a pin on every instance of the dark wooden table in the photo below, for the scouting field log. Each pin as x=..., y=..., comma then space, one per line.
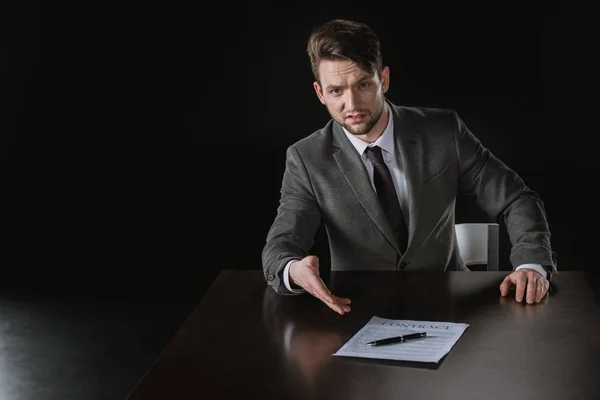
x=244, y=341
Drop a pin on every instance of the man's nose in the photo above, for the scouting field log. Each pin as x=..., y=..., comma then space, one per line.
x=351, y=100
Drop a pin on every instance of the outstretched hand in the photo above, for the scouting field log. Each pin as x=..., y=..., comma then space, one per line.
x=305, y=273
x=529, y=284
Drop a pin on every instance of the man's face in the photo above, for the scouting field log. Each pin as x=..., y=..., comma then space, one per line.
x=353, y=97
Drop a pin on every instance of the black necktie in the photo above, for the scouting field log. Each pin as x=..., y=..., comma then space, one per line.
x=386, y=193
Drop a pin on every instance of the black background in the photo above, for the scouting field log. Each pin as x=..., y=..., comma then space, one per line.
x=166, y=218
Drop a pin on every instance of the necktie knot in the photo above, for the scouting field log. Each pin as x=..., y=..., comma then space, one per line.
x=374, y=154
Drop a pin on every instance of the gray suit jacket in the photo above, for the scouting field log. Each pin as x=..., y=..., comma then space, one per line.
x=325, y=181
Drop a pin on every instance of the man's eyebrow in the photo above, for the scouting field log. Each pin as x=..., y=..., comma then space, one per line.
x=366, y=78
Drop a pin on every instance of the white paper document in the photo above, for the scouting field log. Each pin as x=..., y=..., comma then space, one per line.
x=441, y=337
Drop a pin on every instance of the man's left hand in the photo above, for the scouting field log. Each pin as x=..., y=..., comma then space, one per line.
x=529, y=284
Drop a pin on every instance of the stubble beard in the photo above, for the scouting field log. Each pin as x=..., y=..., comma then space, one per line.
x=364, y=127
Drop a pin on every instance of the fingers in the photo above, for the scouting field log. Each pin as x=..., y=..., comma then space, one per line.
x=521, y=283
x=339, y=305
x=317, y=288
x=306, y=275
x=539, y=289
x=542, y=289
x=529, y=286
x=521, y=309
x=505, y=286
x=321, y=291
x=532, y=286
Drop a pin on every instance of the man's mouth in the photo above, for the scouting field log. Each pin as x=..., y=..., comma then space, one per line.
x=356, y=118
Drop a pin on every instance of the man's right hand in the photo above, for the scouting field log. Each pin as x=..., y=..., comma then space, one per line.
x=305, y=273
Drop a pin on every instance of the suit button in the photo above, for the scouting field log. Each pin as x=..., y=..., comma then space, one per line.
x=403, y=265
x=270, y=277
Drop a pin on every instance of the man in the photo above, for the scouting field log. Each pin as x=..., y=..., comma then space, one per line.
x=383, y=179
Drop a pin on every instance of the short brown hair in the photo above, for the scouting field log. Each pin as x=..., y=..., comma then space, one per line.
x=341, y=39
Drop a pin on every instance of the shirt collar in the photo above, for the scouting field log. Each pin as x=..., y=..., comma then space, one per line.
x=385, y=141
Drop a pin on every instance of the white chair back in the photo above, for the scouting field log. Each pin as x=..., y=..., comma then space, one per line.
x=478, y=244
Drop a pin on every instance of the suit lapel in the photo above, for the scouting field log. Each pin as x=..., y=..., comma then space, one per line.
x=409, y=150
x=354, y=171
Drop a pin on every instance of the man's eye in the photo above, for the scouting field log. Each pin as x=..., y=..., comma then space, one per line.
x=364, y=84
x=334, y=91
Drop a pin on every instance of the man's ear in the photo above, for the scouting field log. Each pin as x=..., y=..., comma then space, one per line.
x=319, y=91
x=385, y=79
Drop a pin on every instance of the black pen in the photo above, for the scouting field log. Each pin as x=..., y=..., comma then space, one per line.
x=398, y=339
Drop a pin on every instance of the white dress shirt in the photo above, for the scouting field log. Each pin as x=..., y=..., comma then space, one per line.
x=386, y=142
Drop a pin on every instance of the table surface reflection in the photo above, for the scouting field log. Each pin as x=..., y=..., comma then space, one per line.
x=245, y=341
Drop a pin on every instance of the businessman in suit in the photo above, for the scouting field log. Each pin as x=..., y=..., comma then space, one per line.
x=383, y=179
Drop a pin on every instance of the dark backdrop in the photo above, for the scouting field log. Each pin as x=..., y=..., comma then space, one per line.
x=523, y=77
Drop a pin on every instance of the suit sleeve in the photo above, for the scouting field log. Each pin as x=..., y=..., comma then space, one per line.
x=503, y=196
x=291, y=235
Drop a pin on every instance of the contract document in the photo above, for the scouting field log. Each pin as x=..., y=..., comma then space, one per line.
x=441, y=337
